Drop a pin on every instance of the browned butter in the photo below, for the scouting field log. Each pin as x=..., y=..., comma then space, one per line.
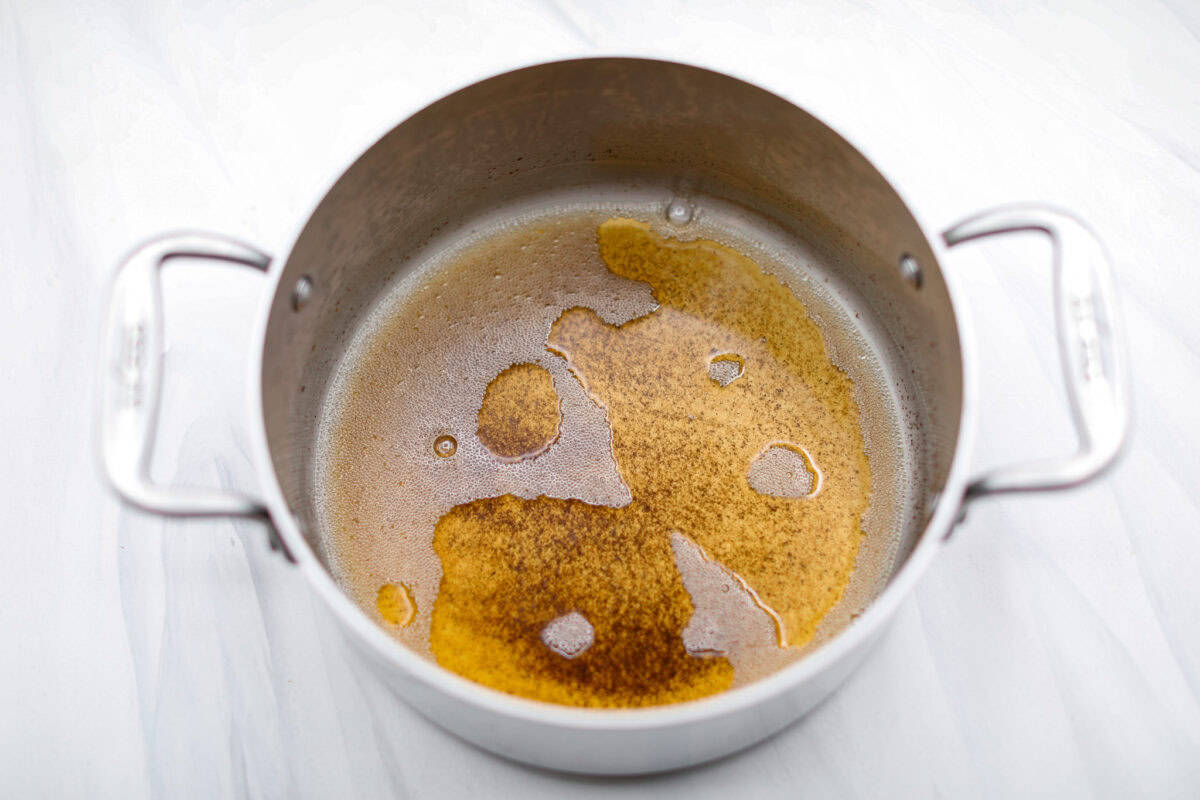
x=727, y=422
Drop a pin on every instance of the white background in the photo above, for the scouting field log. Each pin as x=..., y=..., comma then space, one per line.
x=1053, y=649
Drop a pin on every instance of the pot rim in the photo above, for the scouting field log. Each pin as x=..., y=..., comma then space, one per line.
x=848, y=640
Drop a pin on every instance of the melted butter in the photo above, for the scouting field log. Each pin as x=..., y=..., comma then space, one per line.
x=395, y=604
x=520, y=415
x=683, y=444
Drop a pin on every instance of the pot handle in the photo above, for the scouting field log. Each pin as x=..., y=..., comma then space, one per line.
x=1090, y=343
x=131, y=379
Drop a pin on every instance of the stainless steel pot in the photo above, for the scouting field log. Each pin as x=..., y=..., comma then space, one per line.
x=572, y=125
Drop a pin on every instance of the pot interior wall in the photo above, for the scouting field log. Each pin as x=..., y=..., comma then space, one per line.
x=603, y=120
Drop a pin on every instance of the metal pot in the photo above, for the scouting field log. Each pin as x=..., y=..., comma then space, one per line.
x=576, y=124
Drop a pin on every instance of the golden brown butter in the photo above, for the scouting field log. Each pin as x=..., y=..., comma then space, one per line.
x=395, y=604
x=519, y=417
x=683, y=442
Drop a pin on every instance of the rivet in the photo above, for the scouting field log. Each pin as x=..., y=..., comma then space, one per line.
x=302, y=293
x=910, y=270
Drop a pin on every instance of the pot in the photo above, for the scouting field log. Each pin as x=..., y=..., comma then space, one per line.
x=642, y=126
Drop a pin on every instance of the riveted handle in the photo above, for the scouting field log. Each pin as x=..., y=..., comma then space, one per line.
x=1090, y=343
x=131, y=379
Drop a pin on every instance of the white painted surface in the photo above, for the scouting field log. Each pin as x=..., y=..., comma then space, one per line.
x=1053, y=649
